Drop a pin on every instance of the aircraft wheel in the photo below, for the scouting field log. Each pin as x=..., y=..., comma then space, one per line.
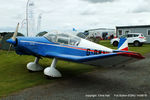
x=30, y=71
x=51, y=78
x=47, y=77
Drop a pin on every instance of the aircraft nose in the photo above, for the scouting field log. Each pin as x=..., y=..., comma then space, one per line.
x=11, y=41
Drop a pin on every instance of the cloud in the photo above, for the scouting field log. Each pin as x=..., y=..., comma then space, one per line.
x=142, y=7
x=99, y=1
x=89, y=11
x=141, y=10
x=63, y=15
x=7, y=29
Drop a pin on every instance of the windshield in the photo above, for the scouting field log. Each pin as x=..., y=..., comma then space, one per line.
x=63, y=38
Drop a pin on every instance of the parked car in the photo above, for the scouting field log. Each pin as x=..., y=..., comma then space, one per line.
x=137, y=39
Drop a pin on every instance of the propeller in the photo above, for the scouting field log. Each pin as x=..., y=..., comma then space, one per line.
x=12, y=40
x=9, y=48
x=16, y=32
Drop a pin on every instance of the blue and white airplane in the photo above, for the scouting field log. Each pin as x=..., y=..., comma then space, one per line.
x=70, y=48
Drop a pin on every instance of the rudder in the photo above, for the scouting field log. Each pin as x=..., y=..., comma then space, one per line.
x=123, y=44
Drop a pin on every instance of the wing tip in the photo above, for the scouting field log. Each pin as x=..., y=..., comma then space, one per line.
x=132, y=54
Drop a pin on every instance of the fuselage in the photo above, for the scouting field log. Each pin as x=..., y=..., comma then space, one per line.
x=40, y=46
x=70, y=48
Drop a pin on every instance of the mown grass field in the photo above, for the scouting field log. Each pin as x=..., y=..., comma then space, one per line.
x=14, y=76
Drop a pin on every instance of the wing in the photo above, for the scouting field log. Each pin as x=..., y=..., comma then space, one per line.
x=78, y=58
x=98, y=60
x=119, y=59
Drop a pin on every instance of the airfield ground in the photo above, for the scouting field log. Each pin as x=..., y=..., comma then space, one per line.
x=14, y=76
x=79, y=81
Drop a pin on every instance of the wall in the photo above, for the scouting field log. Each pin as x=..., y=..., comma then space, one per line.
x=136, y=30
x=99, y=33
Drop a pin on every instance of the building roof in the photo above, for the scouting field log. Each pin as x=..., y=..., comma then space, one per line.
x=100, y=29
x=134, y=26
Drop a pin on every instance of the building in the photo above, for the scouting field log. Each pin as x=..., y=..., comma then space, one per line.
x=100, y=32
x=145, y=29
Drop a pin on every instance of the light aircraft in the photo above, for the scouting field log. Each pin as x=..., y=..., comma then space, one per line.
x=70, y=48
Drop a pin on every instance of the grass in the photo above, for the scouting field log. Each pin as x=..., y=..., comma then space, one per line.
x=14, y=76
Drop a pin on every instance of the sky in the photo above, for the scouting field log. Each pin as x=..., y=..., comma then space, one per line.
x=63, y=15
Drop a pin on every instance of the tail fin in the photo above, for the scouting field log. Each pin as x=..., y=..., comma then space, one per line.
x=123, y=44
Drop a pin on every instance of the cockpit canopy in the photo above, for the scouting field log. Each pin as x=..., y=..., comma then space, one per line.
x=63, y=38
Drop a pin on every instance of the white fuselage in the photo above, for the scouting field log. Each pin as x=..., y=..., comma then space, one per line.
x=91, y=45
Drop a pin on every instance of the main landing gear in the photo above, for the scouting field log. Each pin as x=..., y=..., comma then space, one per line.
x=49, y=71
x=34, y=66
x=52, y=71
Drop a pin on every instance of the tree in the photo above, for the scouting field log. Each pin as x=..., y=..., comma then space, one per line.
x=7, y=35
x=42, y=33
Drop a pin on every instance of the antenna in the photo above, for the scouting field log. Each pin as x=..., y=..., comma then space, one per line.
x=39, y=23
x=27, y=15
x=30, y=18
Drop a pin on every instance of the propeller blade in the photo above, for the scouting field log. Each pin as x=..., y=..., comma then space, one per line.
x=13, y=38
x=16, y=32
x=9, y=48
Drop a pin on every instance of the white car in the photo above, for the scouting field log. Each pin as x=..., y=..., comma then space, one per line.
x=137, y=39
